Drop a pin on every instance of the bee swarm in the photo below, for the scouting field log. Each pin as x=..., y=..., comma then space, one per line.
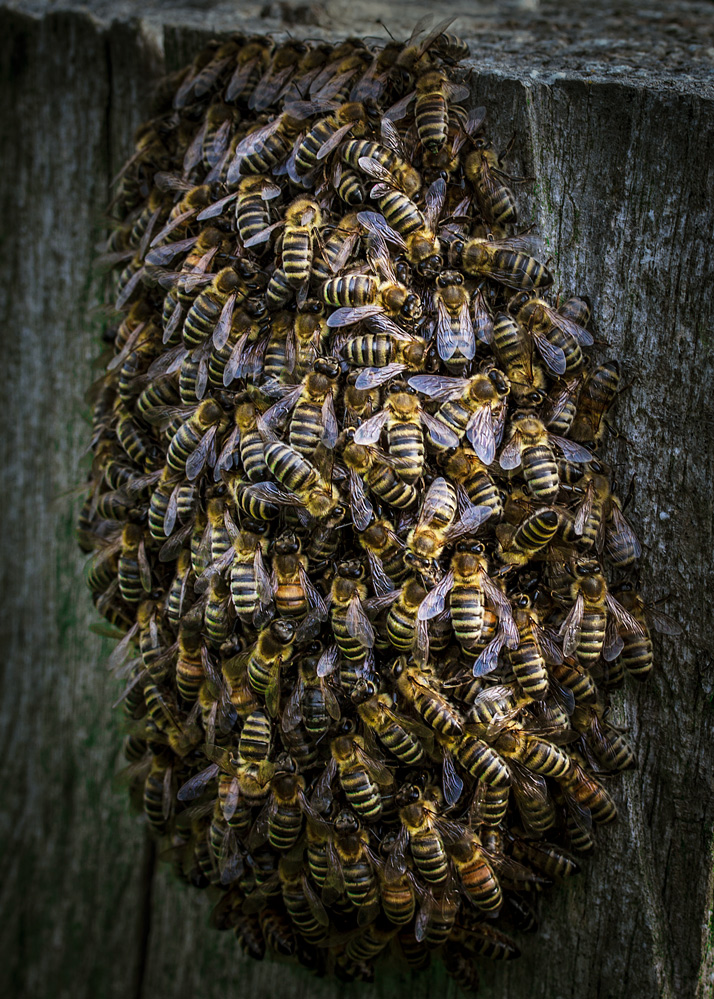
x=348, y=508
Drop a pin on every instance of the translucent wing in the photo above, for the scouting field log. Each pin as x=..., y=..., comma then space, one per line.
x=353, y=314
x=480, y=433
x=438, y=386
x=551, y=353
x=328, y=661
x=440, y=434
x=626, y=621
x=370, y=431
x=370, y=378
x=572, y=451
x=585, y=509
x=358, y=624
x=451, y=782
x=362, y=511
x=222, y=329
x=570, y=628
x=511, y=454
x=373, y=222
x=196, y=785
x=434, y=202
x=435, y=600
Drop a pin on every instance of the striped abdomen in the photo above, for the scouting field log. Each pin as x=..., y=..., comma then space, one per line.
x=636, y=655
x=252, y=216
x=360, y=885
x=284, y=826
x=427, y=849
x=467, y=613
x=350, y=647
x=297, y=254
x=405, y=746
x=541, y=472
x=401, y=213
x=385, y=483
x=592, y=635
x=406, y=441
x=482, y=761
x=361, y=792
x=544, y=758
x=306, y=427
x=350, y=289
x=432, y=120
x=244, y=593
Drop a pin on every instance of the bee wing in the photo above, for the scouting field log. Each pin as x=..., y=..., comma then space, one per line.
x=585, y=509
x=274, y=416
x=435, y=600
x=570, y=327
x=432, y=501
x=173, y=323
x=469, y=522
x=373, y=222
x=292, y=713
x=451, y=783
x=352, y=314
x=192, y=156
x=662, y=622
x=619, y=534
x=197, y=784
x=572, y=451
x=466, y=338
x=197, y=459
x=381, y=773
x=269, y=492
x=166, y=253
x=395, y=113
x=379, y=259
x=144, y=567
x=438, y=387
x=626, y=621
x=170, y=549
x=358, y=624
x=217, y=568
x=345, y=252
x=328, y=661
x=216, y=208
x=551, y=353
x=545, y=639
x=171, y=511
x=487, y=661
x=434, y=203
x=440, y=434
x=511, y=454
x=240, y=78
x=314, y=598
x=370, y=378
x=128, y=289
x=335, y=139
x=447, y=332
x=222, y=328
x=396, y=864
x=570, y=628
x=362, y=511
x=502, y=606
x=370, y=431
x=555, y=404
x=380, y=580
x=481, y=435
x=247, y=146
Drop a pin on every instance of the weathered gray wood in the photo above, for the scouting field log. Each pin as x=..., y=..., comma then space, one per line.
x=623, y=161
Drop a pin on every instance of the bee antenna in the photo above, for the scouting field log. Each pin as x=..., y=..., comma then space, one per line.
x=386, y=29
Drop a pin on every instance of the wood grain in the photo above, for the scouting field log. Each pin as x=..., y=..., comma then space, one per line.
x=623, y=196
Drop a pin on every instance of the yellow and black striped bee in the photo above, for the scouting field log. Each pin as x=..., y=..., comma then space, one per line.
x=272, y=651
x=595, y=614
x=597, y=395
x=433, y=91
x=403, y=224
x=530, y=443
x=506, y=261
x=360, y=776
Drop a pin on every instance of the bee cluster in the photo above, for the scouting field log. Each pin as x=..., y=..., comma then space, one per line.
x=348, y=508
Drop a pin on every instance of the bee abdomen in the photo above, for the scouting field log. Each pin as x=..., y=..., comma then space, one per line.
x=362, y=794
x=406, y=441
x=541, y=472
x=401, y=213
x=482, y=762
x=592, y=636
x=529, y=669
x=467, y=614
x=350, y=289
x=388, y=486
x=405, y=746
x=432, y=121
x=284, y=827
x=636, y=656
x=545, y=758
x=255, y=737
x=297, y=255
x=429, y=856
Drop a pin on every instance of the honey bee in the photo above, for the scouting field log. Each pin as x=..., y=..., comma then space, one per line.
x=264, y=148
x=251, y=62
x=273, y=650
x=384, y=355
x=530, y=443
x=311, y=490
x=294, y=594
x=473, y=407
x=404, y=630
x=586, y=626
x=603, y=742
x=596, y=397
x=467, y=470
x=383, y=295
x=313, y=418
x=253, y=210
x=403, y=225
x=394, y=731
x=385, y=554
x=504, y=260
x=636, y=652
x=403, y=416
x=600, y=523
x=191, y=445
x=283, y=64
x=433, y=90
x=362, y=154
x=557, y=337
x=438, y=526
x=359, y=774
x=313, y=702
x=351, y=626
x=367, y=466
x=420, y=690
x=423, y=831
x=496, y=201
x=325, y=135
